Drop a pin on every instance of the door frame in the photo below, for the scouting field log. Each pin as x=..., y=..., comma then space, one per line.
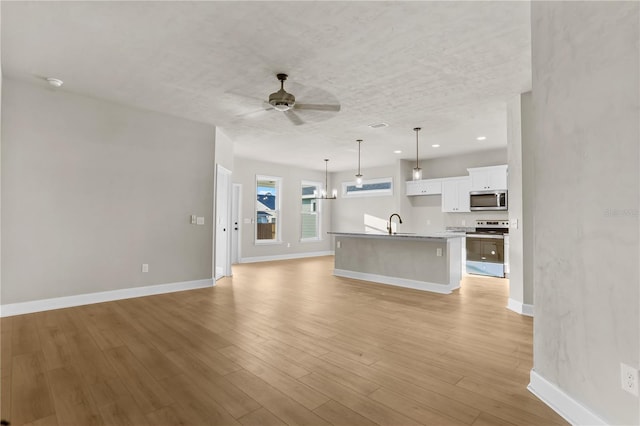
x=236, y=236
x=222, y=205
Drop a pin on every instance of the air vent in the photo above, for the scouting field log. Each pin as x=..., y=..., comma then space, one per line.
x=378, y=125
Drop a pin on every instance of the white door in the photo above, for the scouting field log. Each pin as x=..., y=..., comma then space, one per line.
x=235, y=225
x=223, y=204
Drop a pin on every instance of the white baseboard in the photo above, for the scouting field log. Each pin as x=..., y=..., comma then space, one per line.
x=567, y=407
x=12, y=309
x=399, y=282
x=520, y=308
x=286, y=256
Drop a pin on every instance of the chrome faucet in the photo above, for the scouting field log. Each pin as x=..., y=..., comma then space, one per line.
x=391, y=217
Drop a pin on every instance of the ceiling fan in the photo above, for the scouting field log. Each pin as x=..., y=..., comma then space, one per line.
x=286, y=102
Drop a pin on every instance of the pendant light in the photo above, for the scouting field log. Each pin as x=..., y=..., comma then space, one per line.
x=323, y=194
x=359, y=175
x=417, y=171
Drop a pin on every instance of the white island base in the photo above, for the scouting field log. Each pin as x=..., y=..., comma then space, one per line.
x=422, y=262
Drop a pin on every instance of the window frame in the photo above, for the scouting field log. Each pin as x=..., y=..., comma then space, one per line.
x=277, y=210
x=368, y=192
x=318, y=212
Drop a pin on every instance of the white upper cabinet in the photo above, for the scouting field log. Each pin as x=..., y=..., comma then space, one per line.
x=455, y=194
x=488, y=178
x=424, y=187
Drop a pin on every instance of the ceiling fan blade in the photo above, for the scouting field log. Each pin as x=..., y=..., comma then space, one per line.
x=318, y=107
x=265, y=107
x=293, y=117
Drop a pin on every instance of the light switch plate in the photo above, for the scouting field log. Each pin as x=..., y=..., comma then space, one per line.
x=193, y=219
x=200, y=220
x=145, y=267
x=438, y=251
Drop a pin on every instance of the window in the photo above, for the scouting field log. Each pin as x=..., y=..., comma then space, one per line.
x=370, y=188
x=268, y=209
x=310, y=212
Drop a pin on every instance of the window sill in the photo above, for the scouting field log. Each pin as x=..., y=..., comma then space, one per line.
x=311, y=240
x=267, y=242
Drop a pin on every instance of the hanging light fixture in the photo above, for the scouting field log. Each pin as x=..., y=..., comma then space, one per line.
x=359, y=175
x=417, y=171
x=324, y=195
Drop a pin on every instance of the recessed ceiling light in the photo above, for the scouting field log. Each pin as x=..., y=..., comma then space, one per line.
x=378, y=125
x=435, y=145
x=481, y=138
x=54, y=82
x=397, y=151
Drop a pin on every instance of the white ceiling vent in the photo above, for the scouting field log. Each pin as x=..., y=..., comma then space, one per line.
x=378, y=125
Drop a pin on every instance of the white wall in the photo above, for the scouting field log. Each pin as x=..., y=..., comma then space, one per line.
x=1, y=79
x=91, y=190
x=224, y=149
x=244, y=172
x=521, y=189
x=424, y=213
x=587, y=198
x=347, y=214
x=527, y=224
x=514, y=153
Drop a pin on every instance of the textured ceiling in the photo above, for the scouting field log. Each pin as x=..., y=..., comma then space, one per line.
x=448, y=67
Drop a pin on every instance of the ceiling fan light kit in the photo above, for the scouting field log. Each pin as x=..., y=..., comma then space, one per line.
x=282, y=100
x=285, y=102
x=55, y=82
x=417, y=171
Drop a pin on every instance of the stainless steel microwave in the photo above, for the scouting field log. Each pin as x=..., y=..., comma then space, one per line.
x=488, y=200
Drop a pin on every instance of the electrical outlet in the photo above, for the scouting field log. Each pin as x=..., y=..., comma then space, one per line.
x=145, y=267
x=438, y=252
x=629, y=377
x=200, y=220
x=338, y=244
x=288, y=245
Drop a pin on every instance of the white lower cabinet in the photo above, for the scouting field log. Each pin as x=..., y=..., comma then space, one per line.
x=455, y=194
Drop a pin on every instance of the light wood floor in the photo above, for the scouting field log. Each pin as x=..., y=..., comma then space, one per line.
x=279, y=343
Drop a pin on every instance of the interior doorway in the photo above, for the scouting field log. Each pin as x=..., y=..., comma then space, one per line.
x=222, y=214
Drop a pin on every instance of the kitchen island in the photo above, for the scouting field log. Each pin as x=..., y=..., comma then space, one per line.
x=430, y=262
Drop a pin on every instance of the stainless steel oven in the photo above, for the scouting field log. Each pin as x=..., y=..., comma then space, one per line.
x=488, y=200
x=485, y=248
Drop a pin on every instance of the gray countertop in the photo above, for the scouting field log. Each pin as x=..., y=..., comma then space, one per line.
x=460, y=228
x=408, y=236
